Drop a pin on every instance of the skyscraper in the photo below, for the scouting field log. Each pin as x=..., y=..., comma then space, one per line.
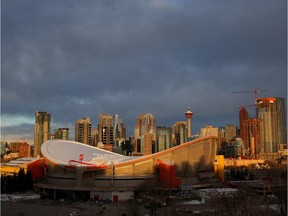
x=119, y=130
x=250, y=132
x=41, y=131
x=83, y=131
x=179, y=133
x=94, y=135
x=105, y=132
x=243, y=115
x=272, y=112
x=61, y=133
x=251, y=135
x=145, y=134
x=164, y=138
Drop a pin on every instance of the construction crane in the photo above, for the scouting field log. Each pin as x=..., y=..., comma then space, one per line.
x=244, y=106
x=255, y=91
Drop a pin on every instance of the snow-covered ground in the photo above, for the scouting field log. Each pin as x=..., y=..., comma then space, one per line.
x=193, y=202
x=16, y=197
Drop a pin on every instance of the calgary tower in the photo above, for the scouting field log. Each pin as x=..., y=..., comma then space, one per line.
x=189, y=115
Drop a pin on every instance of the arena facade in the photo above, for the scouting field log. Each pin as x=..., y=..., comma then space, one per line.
x=81, y=170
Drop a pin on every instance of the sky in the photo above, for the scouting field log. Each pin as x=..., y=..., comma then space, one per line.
x=78, y=59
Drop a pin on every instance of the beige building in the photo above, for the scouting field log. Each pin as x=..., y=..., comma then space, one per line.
x=61, y=133
x=145, y=134
x=41, y=131
x=164, y=138
x=119, y=130
x=94, y=134
x=83, y=131
x=180, y=133
x=209, y=131
x=230, y=132
x=105, y=132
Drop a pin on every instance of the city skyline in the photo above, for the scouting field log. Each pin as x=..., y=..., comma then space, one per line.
x=80, y=59
x=95, y=125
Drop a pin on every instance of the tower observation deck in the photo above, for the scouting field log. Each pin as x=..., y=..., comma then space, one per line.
x=188, y=115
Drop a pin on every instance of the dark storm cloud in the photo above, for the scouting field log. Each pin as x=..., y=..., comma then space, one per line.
x=83, y=58
x=16, y=132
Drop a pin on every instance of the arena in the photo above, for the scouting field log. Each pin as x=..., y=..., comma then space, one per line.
x=81, y=170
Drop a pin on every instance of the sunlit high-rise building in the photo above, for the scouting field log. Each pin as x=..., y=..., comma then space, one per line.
x=243, y=116
x=225, y=134
x=272, y=112
x=164, y=138
x=83, y=131
x=145, y=134
x=119, y=130
x=221, y=138
x=105, y=132
x=41, y=131
x=179, y=133
x=250, y=132
x=61, y=133
x=94, y=135
x=251, y=135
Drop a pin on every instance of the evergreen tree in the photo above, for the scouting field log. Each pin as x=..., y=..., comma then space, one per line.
x=21, y=180
x=29, y=181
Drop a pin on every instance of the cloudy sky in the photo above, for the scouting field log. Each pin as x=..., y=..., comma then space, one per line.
x=78, y=59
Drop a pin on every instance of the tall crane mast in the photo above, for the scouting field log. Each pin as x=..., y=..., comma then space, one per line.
x=255, y=91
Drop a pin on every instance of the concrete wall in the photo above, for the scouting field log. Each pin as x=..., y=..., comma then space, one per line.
x=107, y=195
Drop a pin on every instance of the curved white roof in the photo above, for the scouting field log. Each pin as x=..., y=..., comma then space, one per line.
x=67, y=152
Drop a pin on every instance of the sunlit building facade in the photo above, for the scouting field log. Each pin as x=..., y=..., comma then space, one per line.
x=83, y=131
x=180, y=133
x=164, y=138
x=272, y=113
x=41, y=131
x=118, y=174
x=230, y=132
x=61, y=133
x=209, y=131
x=21, y=147
x=243, y=116
x=105, y=132
x=251, y=135
x=94, y=134
x=144, y=134
x=119, y=130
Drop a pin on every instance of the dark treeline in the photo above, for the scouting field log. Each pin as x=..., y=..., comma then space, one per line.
x=239, y=174
x=19, y=182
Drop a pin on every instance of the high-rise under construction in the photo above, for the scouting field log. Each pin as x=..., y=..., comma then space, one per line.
x=273, y=132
